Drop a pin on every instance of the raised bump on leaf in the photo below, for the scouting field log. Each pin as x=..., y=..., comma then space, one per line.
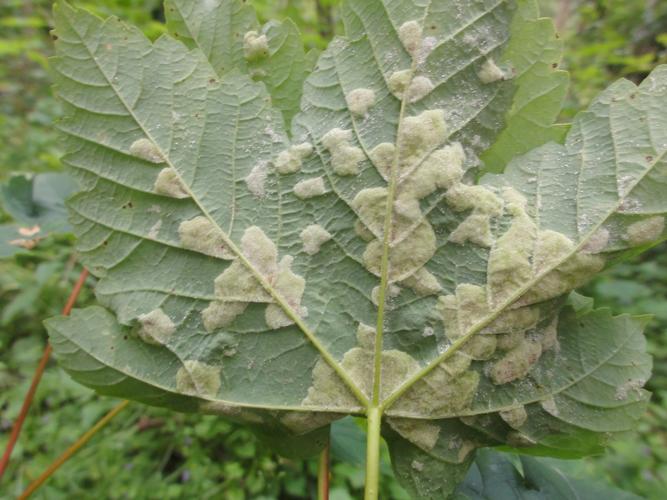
x=410, y=34
x=255, y=46
x=168, y=183
x=399, y=82
x=475, y=229
x=420, y=87
x=439, y=391
x=441, y=170
x=345, y=158
x=256, y=180
x=291, y=160
x=156, y=327
x=310, y=188
x=422, y=282
x=146, y=150
x=201, y=235
x=490, y=72
x=421, y=134
x=624, y=390
x=328, y=390
x=238, y=286
x=549, y=405
x=313, y=237
x=422, y=433
x=407, y=257
x=514, y=417
x=464, y=197
x=382, y=157
x=516, y=363
x=645, y=231
x=221, y=314
x=359, y=101
x=291, y=286
x=366, y=336
x=392, y=292
x=510, y=261
x=198, y=378
x=598, y=242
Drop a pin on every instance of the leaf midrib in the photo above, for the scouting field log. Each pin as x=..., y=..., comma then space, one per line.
x=231, y=245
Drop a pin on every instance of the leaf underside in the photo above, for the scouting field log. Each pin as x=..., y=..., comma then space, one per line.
x=259, y=261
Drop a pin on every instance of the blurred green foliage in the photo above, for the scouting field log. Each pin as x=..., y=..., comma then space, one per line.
x=151, y=453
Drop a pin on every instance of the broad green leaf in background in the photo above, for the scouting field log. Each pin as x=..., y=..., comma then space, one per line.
x=534, y=53
x=37, y=205
x=351, y=265
x=494, y=476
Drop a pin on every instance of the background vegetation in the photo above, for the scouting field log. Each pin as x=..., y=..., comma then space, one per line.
x=151, y=453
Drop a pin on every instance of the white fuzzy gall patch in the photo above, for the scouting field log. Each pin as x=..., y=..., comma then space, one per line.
x=399, y=82
x=168, y=183
x=237, y=286
x=255, y=46
x=221, y=314
x=291, y=287
x=336, y=137
x=475, y=229
x=428, y=44
x=256, y=180
x=146, y=150
x=345, y=158
x=419, y=88
x=422, y=282
x=310, y=188
x=422, y=433
x=410, y=34
x=156, y=327
x=313, y=237
x=260, y=250
x=598, y=242
x=290, y=161
x=303, y=150
x=515, y=417
x=382, y=157
x=490, y=72
x=359, y=101
x=421, y=134
x=366, y=336
x=646, y=231
x=201, y=235
x=549, y=406
x=198, y=378
x=392, y=292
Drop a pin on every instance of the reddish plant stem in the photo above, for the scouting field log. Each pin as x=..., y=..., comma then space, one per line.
x=18, y=424
x=323, y=473
x=37, y=483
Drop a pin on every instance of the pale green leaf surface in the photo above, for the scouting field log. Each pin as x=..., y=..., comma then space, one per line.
x=350, y=275
x=534, y=52
x=218, y=28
